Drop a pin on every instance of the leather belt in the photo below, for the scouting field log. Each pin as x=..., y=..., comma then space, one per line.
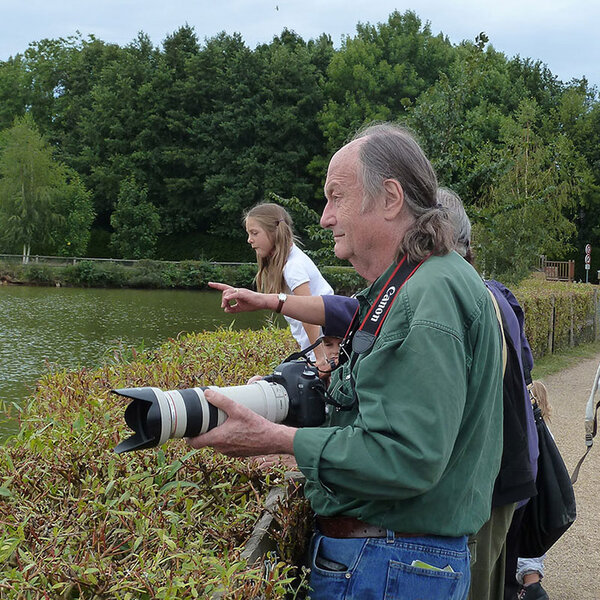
x=350, y=527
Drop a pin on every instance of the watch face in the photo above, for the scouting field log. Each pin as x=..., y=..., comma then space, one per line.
x=282, y=297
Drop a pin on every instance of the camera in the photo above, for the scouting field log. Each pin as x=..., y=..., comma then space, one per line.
x=293, y=394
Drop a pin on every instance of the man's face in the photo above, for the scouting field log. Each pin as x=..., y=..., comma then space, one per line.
x=353, y=230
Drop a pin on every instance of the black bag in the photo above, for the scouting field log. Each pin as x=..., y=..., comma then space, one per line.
x=552, y=511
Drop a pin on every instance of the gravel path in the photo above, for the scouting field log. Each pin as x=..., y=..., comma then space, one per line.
x=573, y=563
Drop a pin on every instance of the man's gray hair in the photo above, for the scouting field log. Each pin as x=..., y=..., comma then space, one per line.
x=460, y=219
x=389, y=151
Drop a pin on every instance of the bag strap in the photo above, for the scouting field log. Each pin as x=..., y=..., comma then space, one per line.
x=502, y=336
x=591, y=426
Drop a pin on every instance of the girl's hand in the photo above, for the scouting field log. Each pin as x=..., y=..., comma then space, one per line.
x=237, y=300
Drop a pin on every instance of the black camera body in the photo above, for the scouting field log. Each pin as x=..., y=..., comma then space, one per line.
x=305, y=390
x=293, y=394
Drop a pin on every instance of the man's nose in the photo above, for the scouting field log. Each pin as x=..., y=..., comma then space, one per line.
x=328, y=217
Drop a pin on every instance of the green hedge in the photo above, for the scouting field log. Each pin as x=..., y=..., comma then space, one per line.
x=143, y=274
x=157, y=274
x=557, y=314
x=79, y=521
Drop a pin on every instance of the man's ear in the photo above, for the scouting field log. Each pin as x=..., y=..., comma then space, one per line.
x=393, y=198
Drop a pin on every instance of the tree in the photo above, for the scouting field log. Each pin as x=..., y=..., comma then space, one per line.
x=29, y=178
x=135, y=221
x=459, y=119
x=43, y=203
x=380, y=72
x=71, y=234
x=526, y=211
x=13, y=90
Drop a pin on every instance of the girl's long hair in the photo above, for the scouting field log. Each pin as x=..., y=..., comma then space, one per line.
x=278, y=225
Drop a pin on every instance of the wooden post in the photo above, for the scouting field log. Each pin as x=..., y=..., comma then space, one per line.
x=571, y=271
x=551, y=325
x=572, y=327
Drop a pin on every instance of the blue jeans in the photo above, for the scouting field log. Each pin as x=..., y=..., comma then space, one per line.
x=383, y=569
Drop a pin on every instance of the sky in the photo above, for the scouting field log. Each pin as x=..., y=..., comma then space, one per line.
x=560, y=33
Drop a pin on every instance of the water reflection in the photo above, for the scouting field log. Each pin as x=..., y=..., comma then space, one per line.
x=76, y=327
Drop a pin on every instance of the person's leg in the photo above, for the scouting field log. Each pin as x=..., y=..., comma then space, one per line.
x=530, y=572
x=487, y=571
x=511, y=586
x=390, y=568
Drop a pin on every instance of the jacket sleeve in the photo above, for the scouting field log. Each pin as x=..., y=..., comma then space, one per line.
x=339, y=311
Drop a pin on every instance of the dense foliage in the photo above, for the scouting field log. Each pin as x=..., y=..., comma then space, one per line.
x=79, y=521
x=186, y=136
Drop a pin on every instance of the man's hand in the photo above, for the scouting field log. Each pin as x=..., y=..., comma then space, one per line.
x=244, y=433
x=268, y=461
x=237, y=300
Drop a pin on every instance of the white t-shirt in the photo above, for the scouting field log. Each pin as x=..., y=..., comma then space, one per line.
x=300, y=269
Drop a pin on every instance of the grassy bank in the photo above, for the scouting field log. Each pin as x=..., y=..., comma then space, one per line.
x=568, y=357
x=80, y=522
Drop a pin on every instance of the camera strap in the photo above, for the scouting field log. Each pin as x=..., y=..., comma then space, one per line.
x=363, y=337
x=304, y=352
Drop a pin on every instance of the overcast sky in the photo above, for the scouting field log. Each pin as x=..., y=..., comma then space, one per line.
x=561, y=33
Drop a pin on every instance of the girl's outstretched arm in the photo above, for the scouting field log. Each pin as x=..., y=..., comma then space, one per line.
x=305, y=308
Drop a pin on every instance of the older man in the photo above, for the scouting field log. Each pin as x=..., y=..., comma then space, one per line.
x=404, y=467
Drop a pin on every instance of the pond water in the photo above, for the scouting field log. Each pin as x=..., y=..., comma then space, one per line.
x=73, y=327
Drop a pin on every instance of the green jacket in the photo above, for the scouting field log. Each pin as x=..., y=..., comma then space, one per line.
x=420, y=450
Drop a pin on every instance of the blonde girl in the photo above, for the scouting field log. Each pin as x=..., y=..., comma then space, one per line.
x=282, y=267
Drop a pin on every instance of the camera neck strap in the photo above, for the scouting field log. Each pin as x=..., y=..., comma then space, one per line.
x=362, y=337
x=369, y=329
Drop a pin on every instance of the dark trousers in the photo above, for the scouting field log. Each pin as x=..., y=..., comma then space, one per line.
x=511, y=585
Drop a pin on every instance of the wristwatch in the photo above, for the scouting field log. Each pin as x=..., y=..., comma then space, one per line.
x=282, y=298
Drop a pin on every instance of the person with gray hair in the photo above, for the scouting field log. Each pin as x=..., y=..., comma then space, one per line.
x=495, y=550
x=460, y=221
x=402, y=470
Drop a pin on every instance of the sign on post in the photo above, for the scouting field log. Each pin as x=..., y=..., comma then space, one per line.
x=587, y=260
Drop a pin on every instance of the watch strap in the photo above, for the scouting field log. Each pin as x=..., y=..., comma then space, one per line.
x=282, y=299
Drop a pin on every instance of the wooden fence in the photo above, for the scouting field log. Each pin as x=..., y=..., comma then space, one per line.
x=558, y=270
x=73, y=260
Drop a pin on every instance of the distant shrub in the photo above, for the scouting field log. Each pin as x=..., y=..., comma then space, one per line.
x=344, y=280
x=89, y=273
x=39, y=273
x=557, y=314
